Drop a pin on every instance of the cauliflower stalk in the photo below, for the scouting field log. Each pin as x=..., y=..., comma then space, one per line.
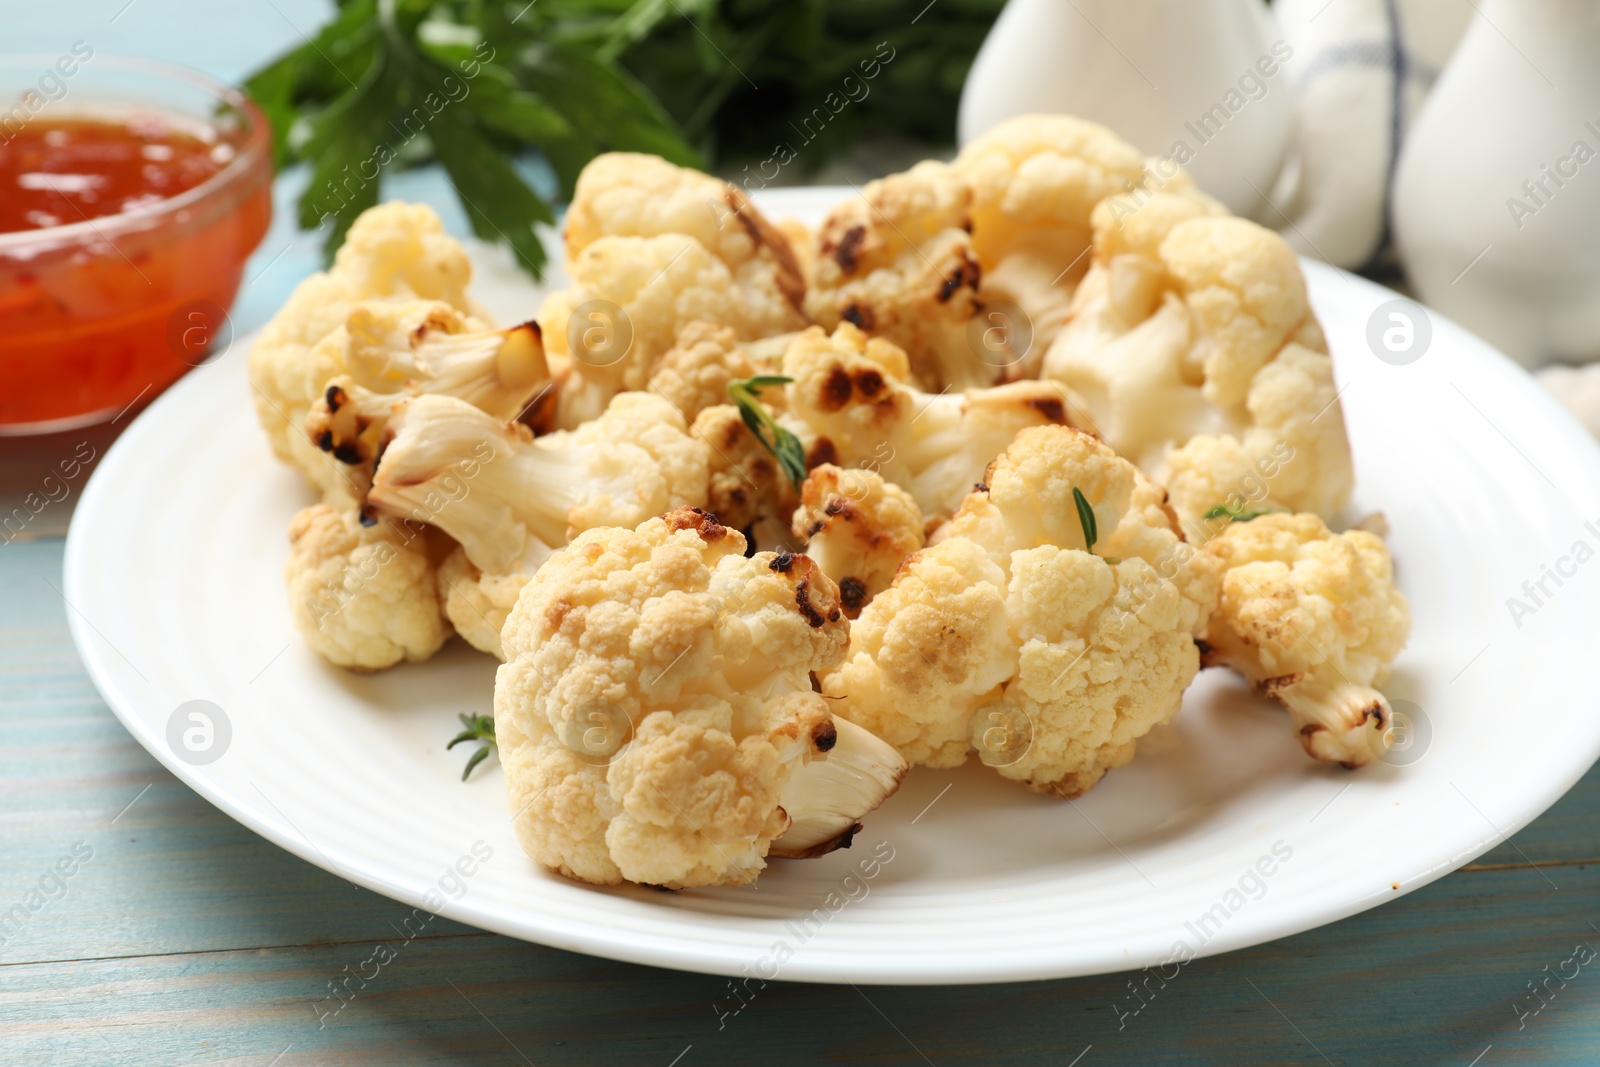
x=1051, y=625
x=1195, y=351
x=1312, y=619
x=655, y=713
x=852, y=393
x=502, y=494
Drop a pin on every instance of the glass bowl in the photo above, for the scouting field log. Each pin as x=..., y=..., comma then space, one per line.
x=102, y=312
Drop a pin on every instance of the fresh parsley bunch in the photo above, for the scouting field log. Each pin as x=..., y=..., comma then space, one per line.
x=473, y=83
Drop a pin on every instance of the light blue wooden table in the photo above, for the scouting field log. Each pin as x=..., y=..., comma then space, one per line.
x=178, y=937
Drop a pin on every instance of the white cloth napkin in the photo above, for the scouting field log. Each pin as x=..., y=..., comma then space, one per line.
x=1360, y=71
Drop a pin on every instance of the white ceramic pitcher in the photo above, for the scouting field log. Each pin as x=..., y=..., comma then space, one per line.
x=1497, y=199
x=1197, y=80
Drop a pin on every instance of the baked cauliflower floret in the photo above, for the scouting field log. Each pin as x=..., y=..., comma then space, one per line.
x=1017, y=637
x=1194, y=347
x=747, y=488
x=501, y=493
x=627, y=194
x=1312, y=619
x=394, y=250
x=655, y=714
x=859, y=528
x=851, y=391
x=897, y=261
x=389, y=350
x=629, y=299
x=477, y=603
x=362, y=596
x=1035, y=179
x=696, y=371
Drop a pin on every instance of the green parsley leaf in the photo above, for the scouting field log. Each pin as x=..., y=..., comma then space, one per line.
x=499, y=204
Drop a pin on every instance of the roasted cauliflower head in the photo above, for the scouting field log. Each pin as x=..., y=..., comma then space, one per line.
x=628, y=194
x=1035, y=181
x=630, y=298
x=655, y=713
x=694, y=374
x=476, y=602
x=1194, y=347
x=362, y=593
x=859, y=528
x=1312, y=619
x=897, y=261
x=1049, y=627
x=748, y=490
x=393, y=251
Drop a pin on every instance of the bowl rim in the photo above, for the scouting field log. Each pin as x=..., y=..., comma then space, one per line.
x=256, y=144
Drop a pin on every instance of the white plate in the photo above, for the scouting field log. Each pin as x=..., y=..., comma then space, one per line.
x=173, y=568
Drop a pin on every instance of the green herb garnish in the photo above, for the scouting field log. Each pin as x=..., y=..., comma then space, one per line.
x=784, y=445
x=1091, y=531
x=757, y=86
x=477, y=728
x=1238, y=513
x=391, y=83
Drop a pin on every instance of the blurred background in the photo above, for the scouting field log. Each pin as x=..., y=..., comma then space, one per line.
x=1437, y=145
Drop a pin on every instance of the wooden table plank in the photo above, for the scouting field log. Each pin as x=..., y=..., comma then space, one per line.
x=1433, y=977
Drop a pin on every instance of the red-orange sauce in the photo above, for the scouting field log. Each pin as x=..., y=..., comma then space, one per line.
x=58, y=173
x=90, y=324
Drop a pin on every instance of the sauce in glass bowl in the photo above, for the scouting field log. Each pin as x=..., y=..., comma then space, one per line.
x=127, y=210
x=57, y=172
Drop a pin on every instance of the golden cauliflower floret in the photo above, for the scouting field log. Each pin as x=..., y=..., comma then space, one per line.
x=477, y=603
x=362, y=596
x=859, y=528
x=502, y=494
x=927, y=652
x=850, y=391
x=1035, y=179
x=694, y=374
x=1194, y=349
x=1016, y=637
x=394, y=250
x=1312, y=619
x=399, y=248
x=897, y=261
x=747, y=488
x=656, y=710
x=628, y=194
x=629, y=299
